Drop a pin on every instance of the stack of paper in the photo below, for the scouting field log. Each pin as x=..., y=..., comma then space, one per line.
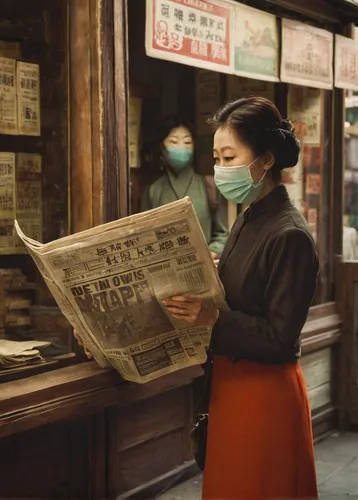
x=16, y=354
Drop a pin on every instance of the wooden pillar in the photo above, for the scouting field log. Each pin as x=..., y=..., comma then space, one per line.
x=337, y=174
x=113, y=27
x=85, y=115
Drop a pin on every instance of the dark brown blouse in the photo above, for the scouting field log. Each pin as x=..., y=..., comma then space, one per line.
x=269, y=270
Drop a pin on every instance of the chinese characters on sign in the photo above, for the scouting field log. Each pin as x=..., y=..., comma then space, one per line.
x=307, y=55
x=256, y=44
x=346, y=63
x=195, y=32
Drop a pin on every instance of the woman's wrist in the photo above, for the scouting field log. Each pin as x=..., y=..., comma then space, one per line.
x=215, y=318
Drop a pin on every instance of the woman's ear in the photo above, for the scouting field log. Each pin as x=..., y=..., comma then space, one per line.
x=269, y=161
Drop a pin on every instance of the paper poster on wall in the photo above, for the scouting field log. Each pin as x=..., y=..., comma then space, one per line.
x=346, y=63
x=8, y=113
x=304, y=109
x=237, y=87
x=306, y=55
x=196, y=33
x=134, y=127
x=313, y=184
x=28, y=99
x=29, y=195
x=256, y=44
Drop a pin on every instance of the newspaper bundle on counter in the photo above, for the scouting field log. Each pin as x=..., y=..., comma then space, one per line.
x=17, y=354
x=109, y=281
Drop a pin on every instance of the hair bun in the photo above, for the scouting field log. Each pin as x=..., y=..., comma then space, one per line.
x=288, y=152
x=287, y=125
x=285, y=145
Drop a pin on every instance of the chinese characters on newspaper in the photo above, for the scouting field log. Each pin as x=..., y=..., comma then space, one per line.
x=110, y=281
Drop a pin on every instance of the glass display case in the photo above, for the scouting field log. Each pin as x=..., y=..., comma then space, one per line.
x=34, y=181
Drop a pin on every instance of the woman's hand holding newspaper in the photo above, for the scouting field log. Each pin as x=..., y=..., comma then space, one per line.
x=80, y=342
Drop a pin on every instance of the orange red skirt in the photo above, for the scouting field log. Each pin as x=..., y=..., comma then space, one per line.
x=260, y=444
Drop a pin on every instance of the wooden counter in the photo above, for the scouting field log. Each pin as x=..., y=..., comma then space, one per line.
x=122, y=437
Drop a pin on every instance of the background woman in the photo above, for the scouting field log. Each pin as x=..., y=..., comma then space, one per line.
x=259, y=437
x=180, y=179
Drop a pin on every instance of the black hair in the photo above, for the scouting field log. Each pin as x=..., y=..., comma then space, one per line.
x=259, y=124
x=174, y=121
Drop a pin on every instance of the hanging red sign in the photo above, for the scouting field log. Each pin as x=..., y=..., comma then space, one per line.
x=192, y=32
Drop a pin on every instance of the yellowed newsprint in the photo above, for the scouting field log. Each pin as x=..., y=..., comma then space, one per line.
x=110, y=281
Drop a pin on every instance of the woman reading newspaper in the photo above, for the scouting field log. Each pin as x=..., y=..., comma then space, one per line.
x=259, y=433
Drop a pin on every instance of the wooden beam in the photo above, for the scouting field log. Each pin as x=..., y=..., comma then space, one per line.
x=86, y=116
x=121, y=95
x=320, y=10
x=115, y=108
x=80, y=116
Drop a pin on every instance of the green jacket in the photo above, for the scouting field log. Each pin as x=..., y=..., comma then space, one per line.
x=170, y=187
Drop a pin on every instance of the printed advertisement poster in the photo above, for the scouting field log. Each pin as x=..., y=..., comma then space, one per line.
x=193, y=33
x=304, y=106
x=8, y=114
x=346, y=63
x=256, y=42
x=28, y=98
x=307, y=55
x=313, y=184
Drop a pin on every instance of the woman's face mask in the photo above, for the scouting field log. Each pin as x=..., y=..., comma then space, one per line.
x=179, y=158
x=237, y=176
x=236, y=183
x=179, y=148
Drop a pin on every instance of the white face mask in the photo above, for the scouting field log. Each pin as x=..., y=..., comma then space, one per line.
x=236, y=183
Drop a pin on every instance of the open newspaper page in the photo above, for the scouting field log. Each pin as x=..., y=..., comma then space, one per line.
x=110, y=281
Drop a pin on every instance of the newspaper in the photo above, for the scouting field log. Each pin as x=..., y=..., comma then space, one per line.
x=109, y=281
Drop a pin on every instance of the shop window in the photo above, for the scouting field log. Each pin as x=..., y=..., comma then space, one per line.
x=33, y=178
x=350, y=207
x=159, y=87
x=308, y=183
